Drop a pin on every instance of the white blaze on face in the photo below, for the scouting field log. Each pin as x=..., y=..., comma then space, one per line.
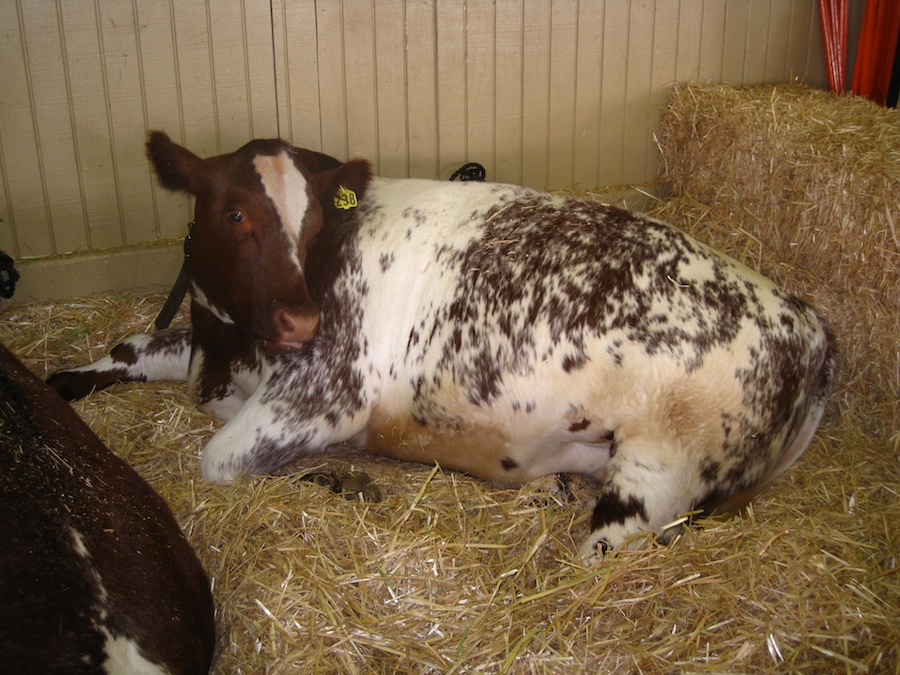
x=286, y=187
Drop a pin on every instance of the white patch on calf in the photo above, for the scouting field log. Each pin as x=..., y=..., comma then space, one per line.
x=78, y=544
x=225, y=454
x=286, y=187
x=200, y=298
x=101, y=595
x=123, y=657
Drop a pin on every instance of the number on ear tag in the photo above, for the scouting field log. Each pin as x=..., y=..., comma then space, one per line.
x=345, y=199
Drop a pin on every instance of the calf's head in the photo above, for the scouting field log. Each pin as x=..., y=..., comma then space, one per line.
x=257, y=214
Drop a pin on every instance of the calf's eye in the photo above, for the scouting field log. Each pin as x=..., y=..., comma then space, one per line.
x=236, y=216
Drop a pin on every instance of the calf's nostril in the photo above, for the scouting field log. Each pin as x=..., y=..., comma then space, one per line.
x=296, y=327
x=285, y=323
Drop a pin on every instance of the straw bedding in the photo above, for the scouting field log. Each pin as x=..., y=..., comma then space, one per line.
x=447, y=574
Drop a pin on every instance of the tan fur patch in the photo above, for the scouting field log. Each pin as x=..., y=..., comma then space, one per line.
x=474, y=449
x=689, y=408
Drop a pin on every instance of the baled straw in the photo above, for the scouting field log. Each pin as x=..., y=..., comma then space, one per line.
x=812, y=174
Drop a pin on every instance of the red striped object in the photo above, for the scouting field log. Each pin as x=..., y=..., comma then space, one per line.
x=833, y=17
x=877, y=44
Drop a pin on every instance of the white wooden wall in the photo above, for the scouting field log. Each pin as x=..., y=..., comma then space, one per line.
x=546, y=93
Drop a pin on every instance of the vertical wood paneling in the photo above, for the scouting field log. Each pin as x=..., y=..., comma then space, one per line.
x=452, y=105
x=816, y=69
x=563, y=88
x=192, y=62
x=297, y=73
x=664, y=69
x=421, y=94
x=588, y=103
x=332, y=87
x=802, y=21
x=612, y=112
x=637, y=90
x=688, y=40
x=547, y=93
x=159, y=64
x=23, y=176
x=480, y=41
x=508, y=98
x=360, y=79
x=535, y=92
x=778, y=40
x=244, y=86
x=76, y=76
x=197, y=124
x=712, y=41
x=161, y=93
x=56, y=151
x=126, y=118
x=757, y=40
x=391, y=87
x=734, y=47
x=94, y=171
x=256, y=50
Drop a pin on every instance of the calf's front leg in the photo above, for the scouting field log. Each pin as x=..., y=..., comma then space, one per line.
x=144, y=357
x=261, y=437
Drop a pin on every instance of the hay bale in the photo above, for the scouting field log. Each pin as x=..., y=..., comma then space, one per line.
x=812, y=174
x=803, y=186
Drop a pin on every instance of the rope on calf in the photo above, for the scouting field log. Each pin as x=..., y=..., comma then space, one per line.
x=179, y=290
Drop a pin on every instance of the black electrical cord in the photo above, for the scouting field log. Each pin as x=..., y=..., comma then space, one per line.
x=472, y=171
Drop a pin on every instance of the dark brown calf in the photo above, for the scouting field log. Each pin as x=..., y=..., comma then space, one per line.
x=95, y=574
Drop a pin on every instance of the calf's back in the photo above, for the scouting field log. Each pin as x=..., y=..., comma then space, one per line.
x=95, y=574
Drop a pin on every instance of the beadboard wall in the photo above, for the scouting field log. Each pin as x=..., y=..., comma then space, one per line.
x=546, y=93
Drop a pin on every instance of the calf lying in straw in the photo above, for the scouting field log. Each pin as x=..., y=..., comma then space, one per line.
x=494, y=329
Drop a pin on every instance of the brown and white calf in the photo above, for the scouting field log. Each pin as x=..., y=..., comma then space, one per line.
x=491, y=328
x=95, y=574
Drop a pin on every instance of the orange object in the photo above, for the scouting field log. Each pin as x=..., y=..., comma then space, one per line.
x=833, y=17
x=875, y=54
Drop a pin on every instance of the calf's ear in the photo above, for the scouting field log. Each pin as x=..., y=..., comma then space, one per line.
x=341, y=189
x=316, y=162
x=177, y=168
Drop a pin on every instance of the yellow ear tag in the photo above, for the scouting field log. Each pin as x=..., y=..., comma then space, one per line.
x=345, y=199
